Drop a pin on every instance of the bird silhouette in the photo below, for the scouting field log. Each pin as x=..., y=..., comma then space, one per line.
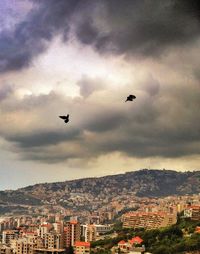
x=130, y=98
x=66, y=118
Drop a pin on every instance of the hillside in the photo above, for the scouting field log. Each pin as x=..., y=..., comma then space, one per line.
x=143, y=183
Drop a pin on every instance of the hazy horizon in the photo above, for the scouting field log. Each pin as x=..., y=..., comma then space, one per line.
x=83, y=58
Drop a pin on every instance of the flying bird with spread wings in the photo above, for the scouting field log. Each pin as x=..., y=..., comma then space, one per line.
x=65, y=118
x=130, y=98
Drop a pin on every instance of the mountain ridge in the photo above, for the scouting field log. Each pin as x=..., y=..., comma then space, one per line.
x=143, y=183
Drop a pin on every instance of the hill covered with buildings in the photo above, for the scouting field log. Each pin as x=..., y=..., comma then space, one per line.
x=142, y=183
x=135, y=212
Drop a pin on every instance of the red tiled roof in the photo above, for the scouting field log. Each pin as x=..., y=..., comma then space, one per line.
x=122, y=242
x=194, y=206
x=73, y=222
x=197, y=229
x=85, y=244
x=136, y=239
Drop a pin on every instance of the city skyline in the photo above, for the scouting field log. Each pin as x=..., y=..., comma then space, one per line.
x=84, y=59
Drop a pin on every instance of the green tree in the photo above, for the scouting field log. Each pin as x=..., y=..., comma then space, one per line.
x=70, y=250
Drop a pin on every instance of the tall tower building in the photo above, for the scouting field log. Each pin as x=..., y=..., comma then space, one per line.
x=89, y=232
x=72, y=232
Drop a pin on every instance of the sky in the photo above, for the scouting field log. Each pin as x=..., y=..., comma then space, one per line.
x=83, y=58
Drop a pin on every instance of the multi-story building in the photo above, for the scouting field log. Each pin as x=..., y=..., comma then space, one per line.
x=72, y=233
x=89, y=232
x=102, y=229
x=9, y=235
x=148, y=220
x=53, y=241
x=5, y=249
x=58, y=227
x=23, y=246
x=82, y=248
x=193, y=212
x=7, y=223
x=44, y=229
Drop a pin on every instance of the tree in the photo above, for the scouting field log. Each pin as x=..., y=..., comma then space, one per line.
x=70, y=250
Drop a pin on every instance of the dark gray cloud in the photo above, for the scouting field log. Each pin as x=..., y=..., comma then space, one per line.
x=86, y=31
x=140, y=27
x=43, y=138
x=133, y=26
x=48, y=18
x=107, y=121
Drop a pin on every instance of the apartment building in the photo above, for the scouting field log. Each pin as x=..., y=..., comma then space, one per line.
x=148, y=220
x=89, y=232
x=22, y=246
x=58, y=227
x=193, y=212
x=5, y=249
x=44, y=229
x=102, y=229
x=72, y=233
x=53, y=241
x=9, y=235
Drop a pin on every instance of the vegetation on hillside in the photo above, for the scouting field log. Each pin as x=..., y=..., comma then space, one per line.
x=174, y=239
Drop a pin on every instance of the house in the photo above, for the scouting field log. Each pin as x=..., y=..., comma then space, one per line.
x=131, y=246
x=82, y=248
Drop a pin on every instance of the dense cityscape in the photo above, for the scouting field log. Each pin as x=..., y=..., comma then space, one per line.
x=88, y=224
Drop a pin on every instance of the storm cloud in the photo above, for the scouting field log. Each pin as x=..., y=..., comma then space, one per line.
x=83, y=58
x=30, y=37
x=144, y=28
x=165, y=125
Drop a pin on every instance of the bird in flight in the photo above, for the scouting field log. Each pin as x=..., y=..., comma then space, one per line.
x=66, y=118
x=130, y=98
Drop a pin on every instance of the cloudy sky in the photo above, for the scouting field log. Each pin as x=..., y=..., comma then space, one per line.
x=83, y=57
